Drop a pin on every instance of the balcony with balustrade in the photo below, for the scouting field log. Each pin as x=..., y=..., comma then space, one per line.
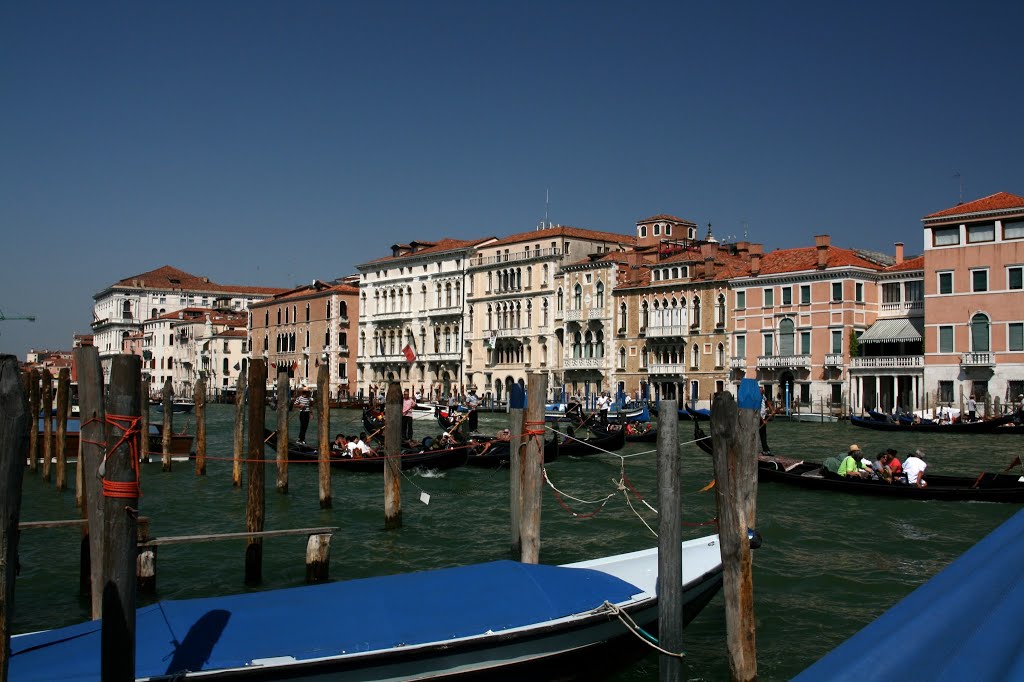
x=833, y=359
x=447, y=311
x=516, y=257
x=666, y=369
x=877, y=362
x=667, y=331
x=784, y=362
x=977, y=360
x=391, y=315
x=442, y=356
x=583, y=363
x=738, y=362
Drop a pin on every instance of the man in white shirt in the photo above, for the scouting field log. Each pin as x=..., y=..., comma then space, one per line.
x=407, y=406
x=914, y=467
x=604, y=403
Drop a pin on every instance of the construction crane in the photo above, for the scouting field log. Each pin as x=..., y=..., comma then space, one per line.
x=30, y=318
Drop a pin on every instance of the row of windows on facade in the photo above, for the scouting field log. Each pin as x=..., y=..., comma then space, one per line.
x=977, y=234
x=981, y=335
x=980, y=280
x=285, y=343
x=399, y=299
x=390, y=342
x=292, y=315
x=126, y=306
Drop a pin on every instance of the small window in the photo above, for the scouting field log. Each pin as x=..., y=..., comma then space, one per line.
x=1015, y=342
x=946, y=236
x=668, y=230
x=979, y=280
x=741, y=346
x=946, y=339
x=1013, y=230
x=769, y=344
x=643, y=230
x=787, y=295
x=859, y=296
x=805, y=343
x=837, y=291
x=657, y=230
x=837, y=341
x=945, y=282
x=1015, y=277
x=805, y=294
x=769, y=298
x=981, y=233
x=741, y=300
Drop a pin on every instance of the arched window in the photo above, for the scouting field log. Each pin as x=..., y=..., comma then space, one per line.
x=695, y=357
x=544, y=313
x=342, y=309
x=720, y=311
x=577, y=296
x=224, y=366
x=448, y=295
x=980, y=333
x=786, y=337
x=643, y=230
x=529, y=276
x=600, y=294
x=126, y=310
x=559, y=300
x=644, y=316
x=643, y=356
x=599, y=350
x=470, y=325
x=328, y=309
x=279, y=316
x=490, y=312
x=529, y=314
x=266, y=318
x=695, y=321
x=152, y=313
x=622, y=358
x=622, y=317
x=720, y=356
x=307, y=312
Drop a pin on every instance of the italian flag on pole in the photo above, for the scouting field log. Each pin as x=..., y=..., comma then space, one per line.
x=410, y=354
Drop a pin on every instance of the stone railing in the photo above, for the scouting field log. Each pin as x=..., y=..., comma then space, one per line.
x=667, y=330
x=833, y=359
x=887, y=362
x=977, y=360
x=666, y=368
x=783, y=361
x=583, y=363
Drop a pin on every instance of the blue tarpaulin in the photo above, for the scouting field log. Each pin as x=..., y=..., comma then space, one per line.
x=324, y=620
x=963, y=624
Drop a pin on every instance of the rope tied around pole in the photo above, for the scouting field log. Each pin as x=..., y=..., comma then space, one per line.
x=129, y=426
x=644, y=636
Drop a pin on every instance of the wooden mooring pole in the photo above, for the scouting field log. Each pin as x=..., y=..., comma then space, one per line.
x=239, y=440
x=283, y=403
x=144, y=424
x=33, y=409
x=516, y=420
x=63, y=390
x=92, y=414
x=532, y=466
x=199, y=397
x=168, y=427
x=120, y=512
x=393, y=456
x=255, y=508
x=323, y=429
x=14, y=434
x=734, y=432
x=46, y=410
x=670, y=543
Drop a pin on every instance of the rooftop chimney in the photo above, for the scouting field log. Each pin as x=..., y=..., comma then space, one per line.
x=755, y=250
x=899, y=252
x=742, y=248
x=821, y=241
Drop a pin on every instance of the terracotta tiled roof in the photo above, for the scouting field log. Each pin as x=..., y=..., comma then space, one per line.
x=665, y=216
x=234, y=333
x=440, y=246
x=915, y=263
x=306, y=290
x=168, y=277
x=806, y=258
x=999, y=201
x=565, y=231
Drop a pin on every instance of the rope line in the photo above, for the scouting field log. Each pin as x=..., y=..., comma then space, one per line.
x=642, y=634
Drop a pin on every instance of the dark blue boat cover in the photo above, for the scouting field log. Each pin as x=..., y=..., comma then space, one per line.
x=324, y=620
x=963, y=624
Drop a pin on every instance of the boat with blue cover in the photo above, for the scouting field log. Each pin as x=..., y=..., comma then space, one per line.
x=496, y=620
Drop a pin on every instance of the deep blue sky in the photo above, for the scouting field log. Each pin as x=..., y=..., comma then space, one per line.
x=273, y=143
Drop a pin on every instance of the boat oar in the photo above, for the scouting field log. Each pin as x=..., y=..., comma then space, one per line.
x=1016, y=461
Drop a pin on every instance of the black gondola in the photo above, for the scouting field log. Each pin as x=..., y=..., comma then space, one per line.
x=1009, y=424
x=411, y=458
x=601, y=440
x=987, y=487
x=641, y=432
x=495, y=453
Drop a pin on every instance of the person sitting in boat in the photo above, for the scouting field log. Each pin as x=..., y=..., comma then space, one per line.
x=851, y=466
x=353, y=446
x=879, y=469
x=446, y=440
x=340, y=446
x=914, y=466
x=504, y=434
x=894, y=464
x=574, y=410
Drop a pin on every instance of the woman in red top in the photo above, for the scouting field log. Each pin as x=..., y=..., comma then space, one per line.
x=895, y=467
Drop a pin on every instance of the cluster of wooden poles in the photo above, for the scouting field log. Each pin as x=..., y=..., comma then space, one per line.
x=113, y=525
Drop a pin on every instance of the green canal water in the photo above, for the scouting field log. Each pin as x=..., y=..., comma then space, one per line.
x=830, y=563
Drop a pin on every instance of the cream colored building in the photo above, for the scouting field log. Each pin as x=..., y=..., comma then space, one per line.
x=519, y=308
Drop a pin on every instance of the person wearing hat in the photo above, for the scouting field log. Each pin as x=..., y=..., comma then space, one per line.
x=303, y=402
x=914, y=467
x=851, y=464
x=472, y=403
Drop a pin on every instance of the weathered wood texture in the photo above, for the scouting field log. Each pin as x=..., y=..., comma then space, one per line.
x=670, y=539
x=393, y=454
x=283, y=403
x=63, y=392
x=167, y=396
x=33, y=409
x=516, y=420
x=120, y=505
x=255, y=508
x=144, y=424
x=318, y=558
x=323, y=424
x=92, y=413
x=46, y=410
x=532, y=467
x=239, y=440
x=14, y=434
x=734, y=432
x=199, y=397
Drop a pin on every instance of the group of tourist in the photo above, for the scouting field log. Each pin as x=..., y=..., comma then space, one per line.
x=885, y=466
x=351, y=446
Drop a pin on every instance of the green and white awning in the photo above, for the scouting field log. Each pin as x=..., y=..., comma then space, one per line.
x=894, y=331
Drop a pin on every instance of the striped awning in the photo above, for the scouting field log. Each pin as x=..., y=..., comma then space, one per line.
x=894, y=330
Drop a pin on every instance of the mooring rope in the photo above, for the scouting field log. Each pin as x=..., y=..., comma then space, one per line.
x=644, y=636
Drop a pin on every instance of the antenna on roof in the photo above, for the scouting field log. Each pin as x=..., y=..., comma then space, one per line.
x=960, y=178
x=746, y=232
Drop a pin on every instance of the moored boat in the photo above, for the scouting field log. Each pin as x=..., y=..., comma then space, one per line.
x=570, y=445
x=181, y=443
x=178, y=406
x=441, y=624
x=1009, y=424
x=410, y=458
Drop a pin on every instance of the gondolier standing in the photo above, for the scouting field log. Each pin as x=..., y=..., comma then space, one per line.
x=472, y=402
x=767, y=412
x=408, y=403
x=303, y=402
